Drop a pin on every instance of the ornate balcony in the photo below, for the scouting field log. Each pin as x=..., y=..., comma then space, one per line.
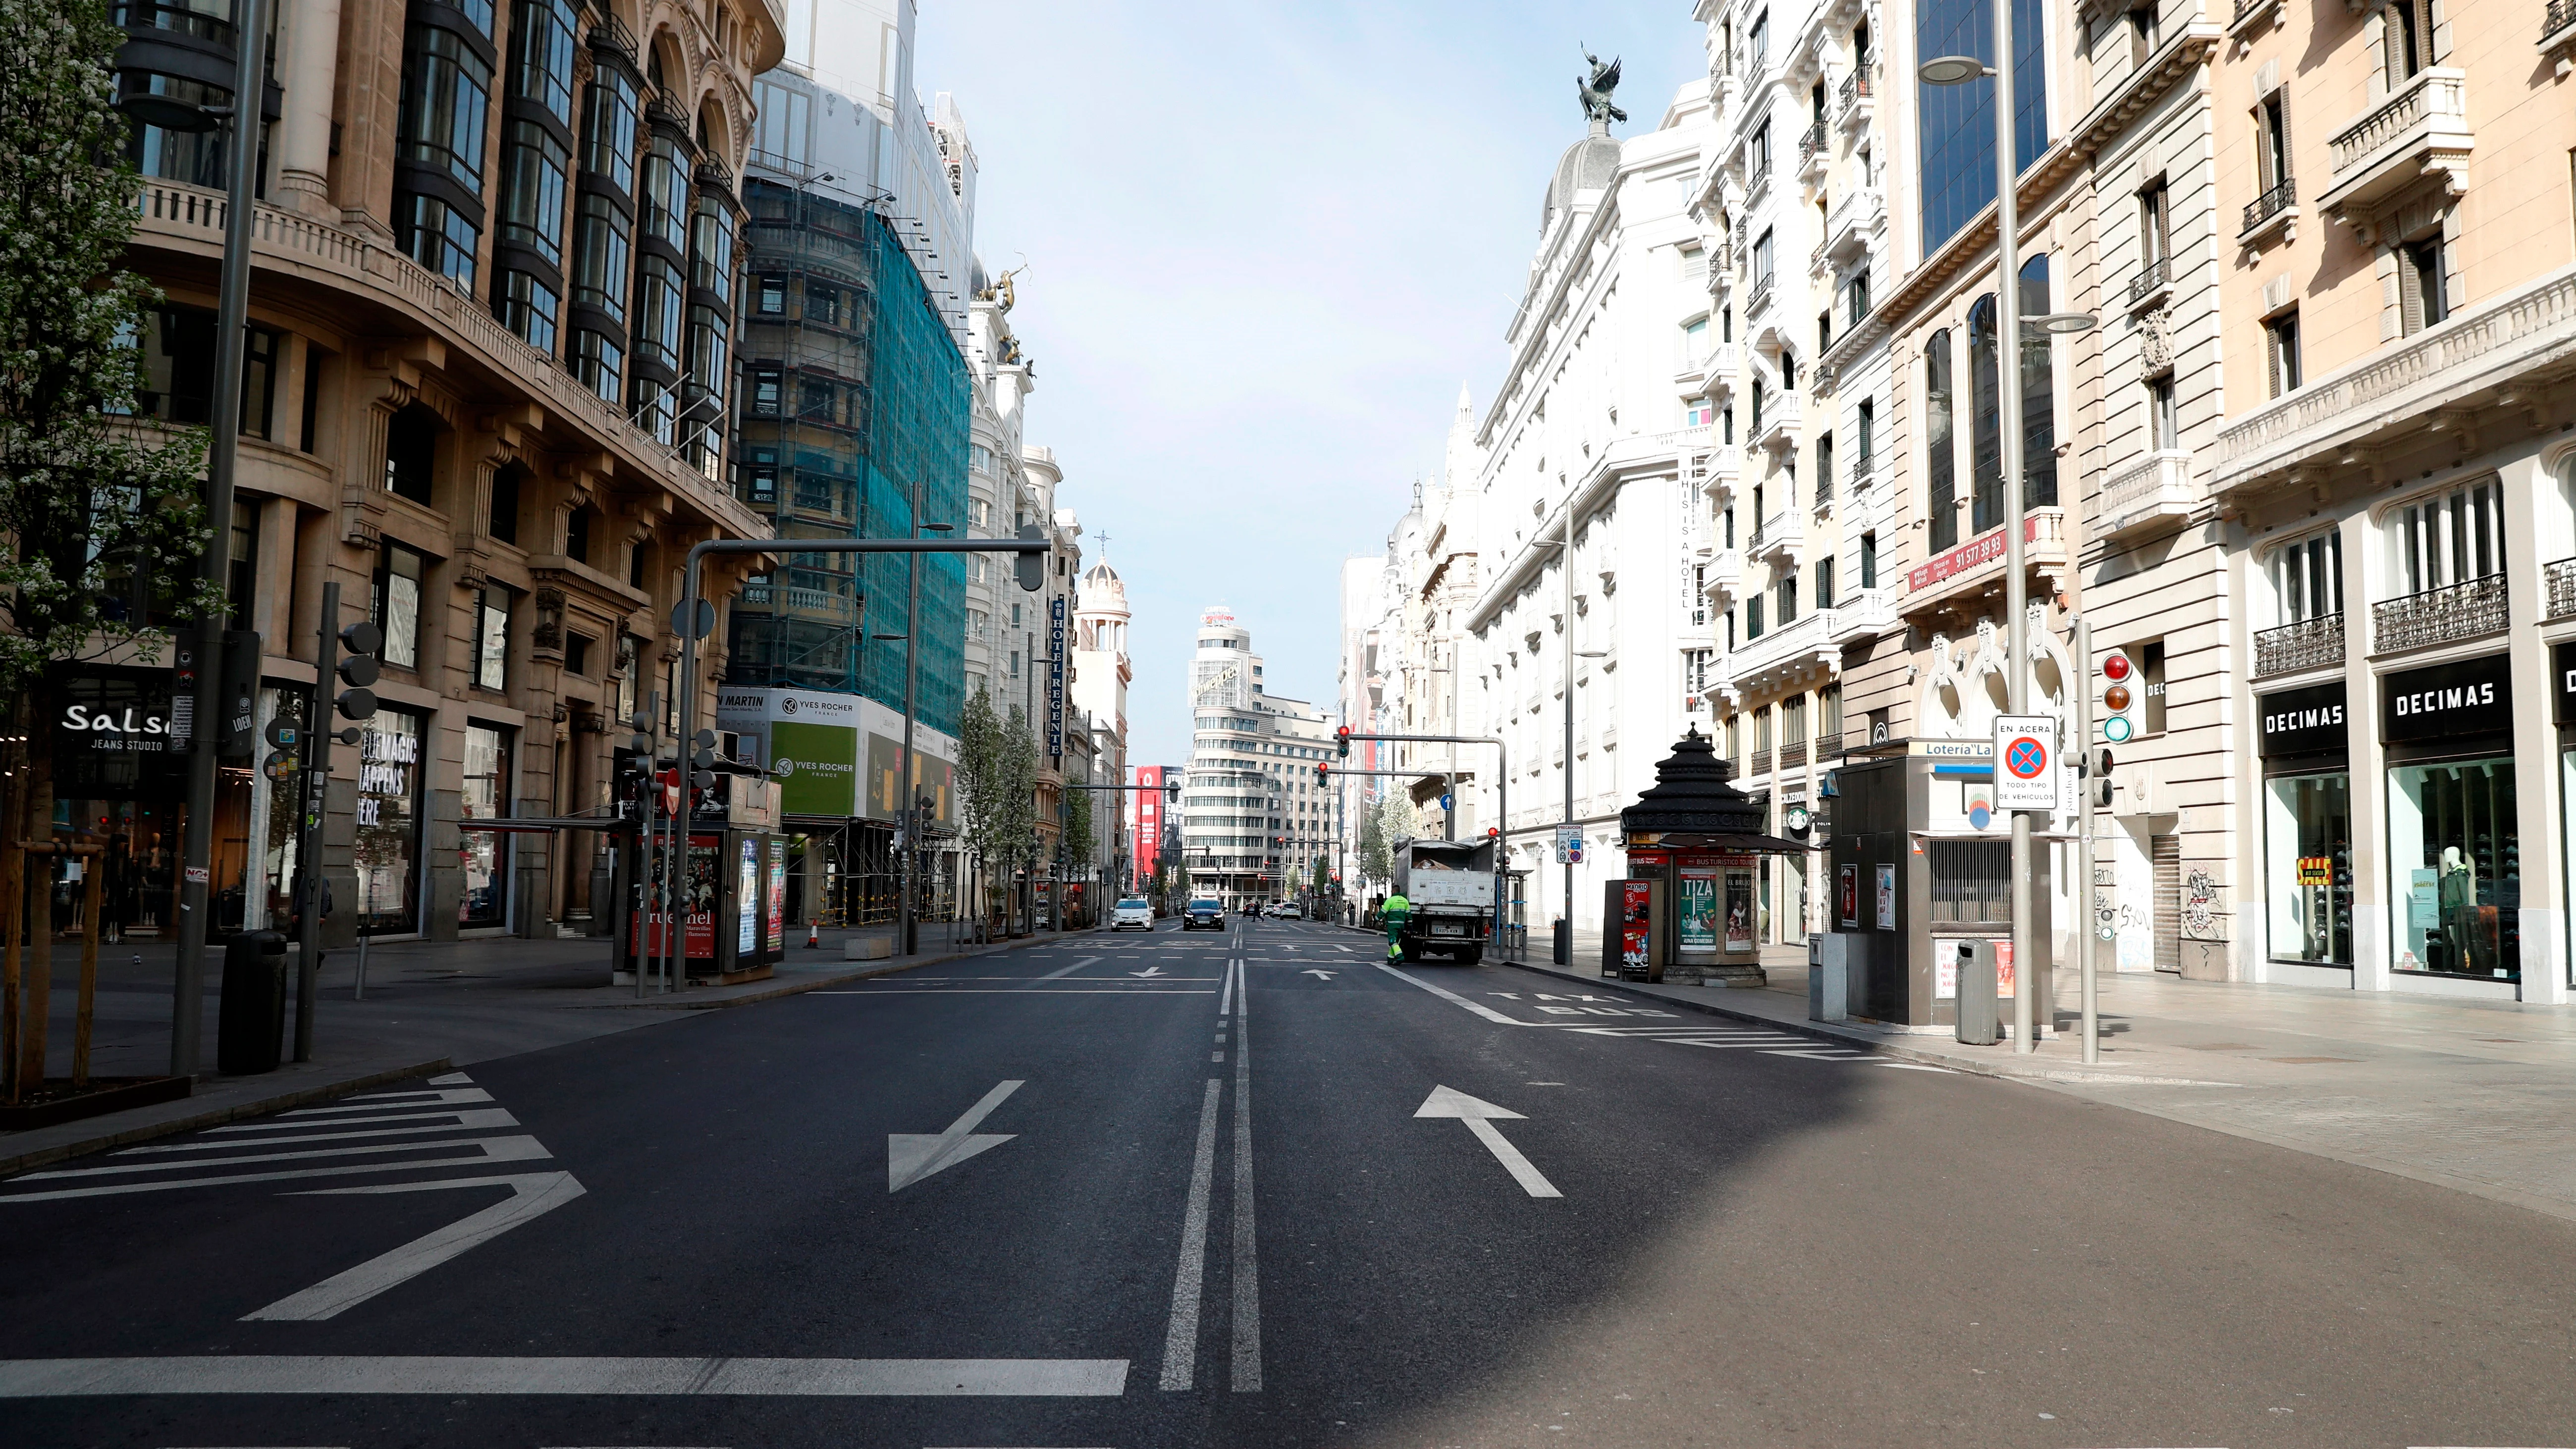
x=1864, y=616
x=2560, y=578
x=2463, y=610
x=2308, y=644
x=1856, y=100
x=1970, y=568
x=1778, y=427
x=1760, y=298
x=2422, y=130
x=1719, y=470
x=2154, y=279
x=2558, y=35
x=1814, y=153
x=2404, y=384
x=1848, y=226
x=2249, y=13
x=1725, y=577
x=1799, y=650
x=1760, y=178
x=1782, y=536
x=2155, y=489
x=1714, y=374
x=2276, y=207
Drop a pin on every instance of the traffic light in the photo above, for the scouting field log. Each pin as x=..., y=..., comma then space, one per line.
x=2123, y=709
x=358, y=669
x=1342, y=739
x=1031, y=567
x=2101, y=781
x=1323, y=773
x=1172, y=790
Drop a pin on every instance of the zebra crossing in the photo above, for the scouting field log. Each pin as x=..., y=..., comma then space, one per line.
x=445, y=1134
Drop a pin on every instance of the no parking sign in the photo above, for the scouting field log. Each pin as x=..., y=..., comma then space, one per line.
x=2025, y=762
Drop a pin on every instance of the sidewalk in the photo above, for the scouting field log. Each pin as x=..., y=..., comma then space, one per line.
x=2467, y=1095
x=430, y=1007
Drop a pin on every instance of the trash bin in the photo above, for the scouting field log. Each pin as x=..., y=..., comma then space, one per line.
x=1563, y=950
x=1976, y=1002
x=251, y=1026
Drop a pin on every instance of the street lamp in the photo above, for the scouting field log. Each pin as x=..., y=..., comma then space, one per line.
x=904, y=931
x=1948, y=70
x=232, y=316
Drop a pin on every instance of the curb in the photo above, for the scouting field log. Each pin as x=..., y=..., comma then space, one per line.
x=1845, y=1036
x=216, y=1116
x=794, y=988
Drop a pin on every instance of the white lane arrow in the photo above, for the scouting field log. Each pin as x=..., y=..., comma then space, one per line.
x=1311, y=971
x=532, y=1195
x=1480, y=1117
x=1148, y=971
x=912, y=1156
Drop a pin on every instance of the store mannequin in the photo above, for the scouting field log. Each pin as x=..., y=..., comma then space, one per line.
x=2459, y=903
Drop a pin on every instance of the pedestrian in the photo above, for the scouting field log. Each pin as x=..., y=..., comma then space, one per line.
x=1397, y=911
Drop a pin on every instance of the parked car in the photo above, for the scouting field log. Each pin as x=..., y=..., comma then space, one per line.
x=1204, y=915
x=1134, y=911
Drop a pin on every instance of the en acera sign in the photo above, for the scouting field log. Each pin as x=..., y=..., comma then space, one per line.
x=1985, y=548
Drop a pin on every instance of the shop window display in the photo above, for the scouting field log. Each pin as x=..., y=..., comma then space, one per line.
x=485, y=853
x=2457, y=865
x=2307, y=845
x=388, y=823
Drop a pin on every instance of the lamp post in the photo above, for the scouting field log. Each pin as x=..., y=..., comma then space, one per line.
x=905, y=938
x=232, y=315
x=1964, y=70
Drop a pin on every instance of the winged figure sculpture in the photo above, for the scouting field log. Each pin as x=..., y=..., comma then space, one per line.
x=1596, y=91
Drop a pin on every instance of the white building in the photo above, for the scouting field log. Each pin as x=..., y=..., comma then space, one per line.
x=1256, y=814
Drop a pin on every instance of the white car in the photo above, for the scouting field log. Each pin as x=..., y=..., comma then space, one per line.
x=1134, y=911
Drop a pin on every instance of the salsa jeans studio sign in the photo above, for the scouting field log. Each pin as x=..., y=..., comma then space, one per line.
x=128, y=728
x=2448, y=701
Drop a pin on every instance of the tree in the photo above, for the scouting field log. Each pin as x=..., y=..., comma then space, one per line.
x=1375, y=862
x=979, y=781
x=1323, y=877
x=1077, y=828
x=1403, y=822
x=1017, y=776
x=102, y=505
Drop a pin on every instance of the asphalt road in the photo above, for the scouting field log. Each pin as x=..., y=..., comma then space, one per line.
x=1182, y=1190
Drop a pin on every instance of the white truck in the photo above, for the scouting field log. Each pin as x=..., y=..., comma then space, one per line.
x=1450, y=885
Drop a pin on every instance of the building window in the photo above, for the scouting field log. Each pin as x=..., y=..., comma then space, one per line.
x=772, y=298
x=411, y=453
x=2406, y=40
x=1825, y=582
x=397, y=604
x=2423, y=295
x=2164, y=433
x=491, y=637
x=608, y=141
x=1824, y=466
x=666, y=194
x=1829, y=714
x=658, y=311
x=2155, y=226
x=1869, y=560
x=1762, y=249
x=1864, y=439
x=1824, y=331
x=485, y=796
x=711, y=246
x=541, y=48
x=1787, y=589
x=760, y=476
x=1857, y=295
x=2307, y=578
x=599, y=256
x=532, y=190
x=447, y=91
x=502, y=521
x=1752, y=618
x=599, y=363
x=768, y=384
x=436, y=235
x=1940, y=461
x=2281, y=343
x=388, y=820
x=196, y=157
x=1694, y=343
x=1957, y=123
x=2142, y=33
x=2454, y=849
x=527, y=307
x=2272, y=144
x=2449, y=538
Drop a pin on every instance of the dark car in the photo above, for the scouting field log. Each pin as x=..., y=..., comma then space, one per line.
x=1208, y=915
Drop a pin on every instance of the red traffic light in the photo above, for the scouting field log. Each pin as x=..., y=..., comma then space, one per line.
x=1491, y=832
x=2115, y=667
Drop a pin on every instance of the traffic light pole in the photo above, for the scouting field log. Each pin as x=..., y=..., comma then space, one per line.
x=2084, y=890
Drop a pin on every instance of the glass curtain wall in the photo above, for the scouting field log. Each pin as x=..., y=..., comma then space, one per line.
x=446, y=109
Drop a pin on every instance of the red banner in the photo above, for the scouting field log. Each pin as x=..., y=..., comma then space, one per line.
x=1985, y=548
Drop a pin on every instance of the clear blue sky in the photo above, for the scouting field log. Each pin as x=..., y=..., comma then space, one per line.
x=1267, y=241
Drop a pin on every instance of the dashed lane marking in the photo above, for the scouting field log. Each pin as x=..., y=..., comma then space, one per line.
x=1762, y=1039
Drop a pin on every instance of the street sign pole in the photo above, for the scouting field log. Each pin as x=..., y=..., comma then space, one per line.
x=2084, y=890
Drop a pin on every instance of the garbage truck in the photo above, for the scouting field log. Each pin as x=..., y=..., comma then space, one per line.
x=1450, y=884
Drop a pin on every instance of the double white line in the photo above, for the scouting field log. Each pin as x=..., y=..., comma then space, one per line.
x=1181, y=1335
